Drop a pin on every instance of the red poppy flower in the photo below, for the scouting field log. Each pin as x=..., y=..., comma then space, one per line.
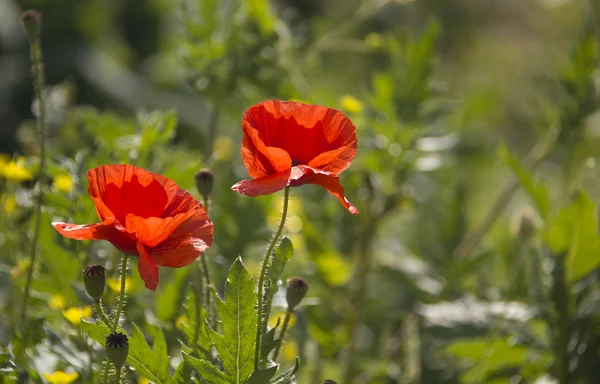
x=291, y=144
x=146, y=215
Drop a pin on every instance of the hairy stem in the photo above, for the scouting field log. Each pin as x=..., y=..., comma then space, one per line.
x=122, y=292
x=205, y=271
x=286, y=321
x=101, y=313
x=37, y=69
x=261, y=281
x=118, y=375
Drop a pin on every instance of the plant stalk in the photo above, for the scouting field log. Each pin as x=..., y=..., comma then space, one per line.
x=37, y=70
x=286, y=321
x=122, y=292
x=101, y=313
x=261, y=280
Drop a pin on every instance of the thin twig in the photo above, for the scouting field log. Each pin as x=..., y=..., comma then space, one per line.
x=37, y=70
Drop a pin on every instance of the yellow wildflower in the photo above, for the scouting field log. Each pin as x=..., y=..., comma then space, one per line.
x=351, y=104
x=16, y=171
x=115, y=284
x=10, y=203
x=60, y=377
x=289, y=350
x=223, y=148
x=63, y=183
x=374, y=40
x=57, y=302
x=19, y=269
x=143, y=380
x=75, y=314
x=181, y=321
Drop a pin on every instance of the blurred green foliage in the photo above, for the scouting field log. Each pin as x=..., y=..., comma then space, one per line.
x=475, y=256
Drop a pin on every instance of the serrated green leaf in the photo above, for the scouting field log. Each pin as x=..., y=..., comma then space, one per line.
x=537, y=191
x=288, y=374
x=575, y=231
x=262, y=376
x=236, y=346
x=152, y=364
x=183, y=373
x=208, y=372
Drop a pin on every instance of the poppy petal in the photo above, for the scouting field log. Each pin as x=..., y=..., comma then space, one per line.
x=188, y=242
x=152, y=231
x=260, y=159
x=334, y=161
x=264, y=185
x=306, y=175
x=147, y=269
x=121, y=188
x=109, y=230
x=304, y=131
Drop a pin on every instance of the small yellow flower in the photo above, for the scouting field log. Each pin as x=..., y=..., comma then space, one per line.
x=223, y=148
x=289, y=350
x=10, y=203
x=351, y=104
x=19, y=269
x=60, y=377
x=75, y=314
x=143, y=380
x=374, y=40
x=181, y=321
x=115, y=284
x=281, y=316
x=16, y=171
x=63, y=183
x=57, y=302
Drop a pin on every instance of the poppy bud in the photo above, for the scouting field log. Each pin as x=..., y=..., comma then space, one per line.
x=32, y=21
x=524, y=224
x=117, y=348
x=296, y=290
x=204, y=181
x=94, y=280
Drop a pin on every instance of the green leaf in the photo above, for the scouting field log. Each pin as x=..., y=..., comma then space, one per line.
x=287, y=375
x=236, y=345
x=195, y=319
x=575, y=231
x=262, y=376
x=268, y=341
x=150, y=363
x=208, y=372
x=183, y=374
x=537, y=191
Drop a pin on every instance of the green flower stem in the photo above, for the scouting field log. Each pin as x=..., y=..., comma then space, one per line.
x=101, y=313
x=261, y=280
x=106, y=370
x=207, y=283
x=286, y=321
x=37, y=69
x=122, y=293
x=118, y=375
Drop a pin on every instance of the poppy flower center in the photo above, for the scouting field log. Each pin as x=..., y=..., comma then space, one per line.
x=133, y=197
x=295, y=162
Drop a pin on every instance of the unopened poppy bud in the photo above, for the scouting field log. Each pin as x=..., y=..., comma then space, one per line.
x=32, y=21
x=117, y=348
x=94, y=280
x=296, y=290
x=204, y=181
x=524, y=224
